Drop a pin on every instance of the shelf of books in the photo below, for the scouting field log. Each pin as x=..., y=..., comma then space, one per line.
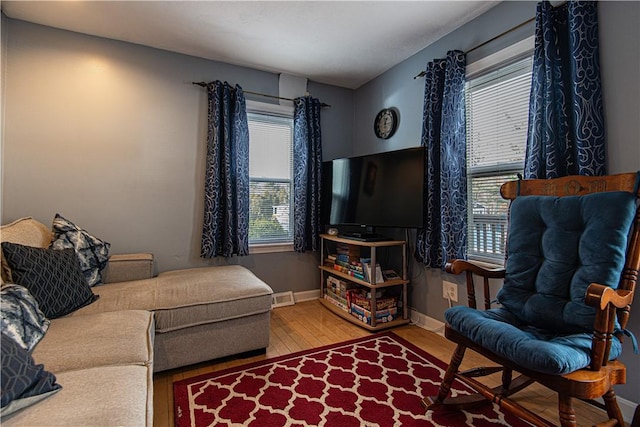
x=355, y=286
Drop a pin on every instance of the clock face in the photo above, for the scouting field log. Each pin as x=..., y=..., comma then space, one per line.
x=386, y=123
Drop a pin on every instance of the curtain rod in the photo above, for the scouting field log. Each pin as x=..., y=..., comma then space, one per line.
x=204, y=84
x=504, y=33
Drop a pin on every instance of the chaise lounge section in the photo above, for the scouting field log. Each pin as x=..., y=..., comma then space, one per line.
x=200, y=314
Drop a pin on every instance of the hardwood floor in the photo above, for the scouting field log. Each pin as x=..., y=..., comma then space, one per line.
x=308, y=325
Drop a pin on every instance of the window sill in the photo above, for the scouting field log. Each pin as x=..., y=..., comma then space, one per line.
x=267, y=248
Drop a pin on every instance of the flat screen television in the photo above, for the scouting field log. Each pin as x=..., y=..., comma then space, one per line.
x=377, y=190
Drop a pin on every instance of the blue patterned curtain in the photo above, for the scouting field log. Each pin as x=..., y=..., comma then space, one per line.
x=566, y=120
x=307, y=178
x=444, y=235
x=226, y=194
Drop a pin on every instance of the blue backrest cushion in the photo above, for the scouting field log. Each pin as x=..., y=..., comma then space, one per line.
x=557, y=247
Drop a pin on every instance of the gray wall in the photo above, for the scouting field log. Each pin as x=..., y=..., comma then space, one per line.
x=620, y=62
x=112, y=136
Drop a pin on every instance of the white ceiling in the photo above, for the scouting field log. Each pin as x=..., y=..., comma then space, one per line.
x=342, y=43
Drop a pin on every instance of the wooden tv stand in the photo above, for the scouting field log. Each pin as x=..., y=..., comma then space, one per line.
x=372, y=285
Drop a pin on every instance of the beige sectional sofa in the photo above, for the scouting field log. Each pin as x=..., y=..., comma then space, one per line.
x=104, y=354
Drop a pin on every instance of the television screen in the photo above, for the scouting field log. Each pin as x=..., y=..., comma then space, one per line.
x=377, y=190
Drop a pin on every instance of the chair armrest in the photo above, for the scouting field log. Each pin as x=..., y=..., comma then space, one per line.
x=458, y=266
x=126, y=267
x=606, y=300
x=601, y=296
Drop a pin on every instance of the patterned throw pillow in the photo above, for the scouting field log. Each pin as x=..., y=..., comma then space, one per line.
x=23, y=382
x=93, y=253
x=52, y=276
x=20, y=316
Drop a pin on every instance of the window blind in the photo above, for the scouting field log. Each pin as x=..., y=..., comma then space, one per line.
x=497, y=105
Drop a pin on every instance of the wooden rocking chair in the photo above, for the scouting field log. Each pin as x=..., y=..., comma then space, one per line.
x=573, y=255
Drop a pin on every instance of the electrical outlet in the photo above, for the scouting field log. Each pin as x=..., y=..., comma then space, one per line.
x=450, y=291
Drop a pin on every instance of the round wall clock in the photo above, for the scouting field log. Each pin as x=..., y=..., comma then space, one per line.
x=386, y=123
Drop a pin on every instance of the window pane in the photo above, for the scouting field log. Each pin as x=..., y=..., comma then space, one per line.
x=270, y=170
x=269, y=214
x=488, y=225
x=497, y=118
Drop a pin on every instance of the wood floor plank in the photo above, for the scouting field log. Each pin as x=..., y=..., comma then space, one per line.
x=308, y=324
x=160, y=407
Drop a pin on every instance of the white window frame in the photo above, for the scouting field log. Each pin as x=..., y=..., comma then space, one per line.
x=492, y=62
x=257, y=107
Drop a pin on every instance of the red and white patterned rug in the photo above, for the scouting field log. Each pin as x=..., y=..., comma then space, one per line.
x=378, y=380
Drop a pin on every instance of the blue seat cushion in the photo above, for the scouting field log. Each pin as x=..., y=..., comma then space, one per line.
x=505, y=335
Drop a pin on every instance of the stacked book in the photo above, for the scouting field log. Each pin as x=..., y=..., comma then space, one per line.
x=348, y=252
x=347, y=260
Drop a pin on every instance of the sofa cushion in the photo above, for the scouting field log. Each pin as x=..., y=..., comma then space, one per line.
x=93, y=253
x=183, y=298
x=23, y=382
x=101, y=339
x=52, y=276
x=206, y=295
x=101, y=396
x=25, y=231
x=20, y=317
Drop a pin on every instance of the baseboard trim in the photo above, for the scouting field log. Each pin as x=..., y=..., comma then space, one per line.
x=306, y=295
x=425, y=322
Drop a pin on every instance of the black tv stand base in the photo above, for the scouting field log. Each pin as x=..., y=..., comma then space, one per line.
x=364, y=237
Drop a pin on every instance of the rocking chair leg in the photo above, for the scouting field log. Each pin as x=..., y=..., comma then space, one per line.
x=449, y=376
x=567, y=413
x=507, y=375
x=613, y=410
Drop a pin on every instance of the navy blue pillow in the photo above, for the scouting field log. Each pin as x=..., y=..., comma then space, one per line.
x=23, y=382
x=557, y=247
x=52, y=276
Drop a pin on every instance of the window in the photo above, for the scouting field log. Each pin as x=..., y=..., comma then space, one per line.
x=270, y=176
x=497, y=104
